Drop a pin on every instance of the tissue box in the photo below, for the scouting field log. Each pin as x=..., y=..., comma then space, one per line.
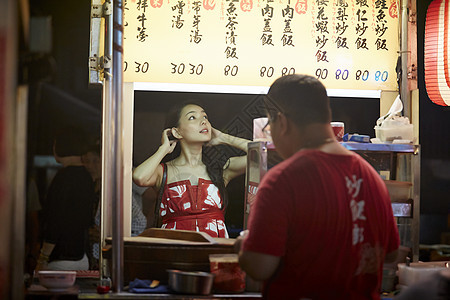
x=388, y=134
x=359, y=138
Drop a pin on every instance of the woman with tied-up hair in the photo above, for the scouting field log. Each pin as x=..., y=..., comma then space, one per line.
x=193, y=195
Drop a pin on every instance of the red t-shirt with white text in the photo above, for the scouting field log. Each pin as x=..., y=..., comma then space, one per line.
x=329, y=218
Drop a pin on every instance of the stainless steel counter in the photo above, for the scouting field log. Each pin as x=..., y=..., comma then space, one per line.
x=86, y=288
x=125, y=295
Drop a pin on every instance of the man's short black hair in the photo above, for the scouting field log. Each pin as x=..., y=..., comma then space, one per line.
x=71, y=141
x=302, y=98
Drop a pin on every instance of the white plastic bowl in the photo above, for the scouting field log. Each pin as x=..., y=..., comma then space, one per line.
x=57, y=280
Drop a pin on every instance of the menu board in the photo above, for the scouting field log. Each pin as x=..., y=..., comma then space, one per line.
x=348, y=44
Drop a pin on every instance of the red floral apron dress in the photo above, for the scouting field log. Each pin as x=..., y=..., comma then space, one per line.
x=193, y=207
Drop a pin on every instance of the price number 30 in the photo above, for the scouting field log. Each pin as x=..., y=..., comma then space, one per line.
x=180, y=68
x=139, y=67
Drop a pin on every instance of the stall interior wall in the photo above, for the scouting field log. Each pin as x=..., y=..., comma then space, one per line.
x=231, y=113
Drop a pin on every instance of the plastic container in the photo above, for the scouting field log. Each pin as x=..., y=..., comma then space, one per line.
x=338, y=129
x=389, y=280
x=408, y=275
x=229, y=277
x=57, y=280
x=104, y=286
x=388, y=134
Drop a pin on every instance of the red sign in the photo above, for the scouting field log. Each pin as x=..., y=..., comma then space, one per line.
x=246, y=5
x=393, y=10
x=156, y=3
x=301, y=7
x=209, y=4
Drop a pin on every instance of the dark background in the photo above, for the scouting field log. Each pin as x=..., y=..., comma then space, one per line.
x=60, y=95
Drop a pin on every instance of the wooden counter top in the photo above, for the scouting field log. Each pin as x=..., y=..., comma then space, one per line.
x=151, y=254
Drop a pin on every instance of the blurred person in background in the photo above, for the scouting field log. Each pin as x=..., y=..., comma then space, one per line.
x=67, y=213
x=33, y=240
x=138, y=219
x=92, y=161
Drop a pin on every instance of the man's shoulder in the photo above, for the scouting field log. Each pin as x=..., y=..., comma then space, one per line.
x=283, y=170
x=296, y=161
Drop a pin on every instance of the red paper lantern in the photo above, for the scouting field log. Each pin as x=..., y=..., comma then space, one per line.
x=437, y=79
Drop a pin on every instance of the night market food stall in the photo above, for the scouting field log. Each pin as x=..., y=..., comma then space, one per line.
x=240, y=47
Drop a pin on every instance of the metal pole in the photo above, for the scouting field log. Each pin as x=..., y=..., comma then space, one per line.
x=117, y=95
x=108, y=151
x=94, y=44
x=404, y=91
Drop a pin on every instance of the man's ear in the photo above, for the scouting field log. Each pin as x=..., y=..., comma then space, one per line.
x=176, y=133
x=283, y=122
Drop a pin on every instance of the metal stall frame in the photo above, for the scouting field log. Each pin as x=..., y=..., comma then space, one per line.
x=115, y=171
x=110, y=66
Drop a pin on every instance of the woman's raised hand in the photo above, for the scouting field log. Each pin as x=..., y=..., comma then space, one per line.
x=168, y=144
x=216, y=137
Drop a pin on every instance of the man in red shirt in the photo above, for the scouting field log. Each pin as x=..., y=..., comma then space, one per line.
x=322, y=224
